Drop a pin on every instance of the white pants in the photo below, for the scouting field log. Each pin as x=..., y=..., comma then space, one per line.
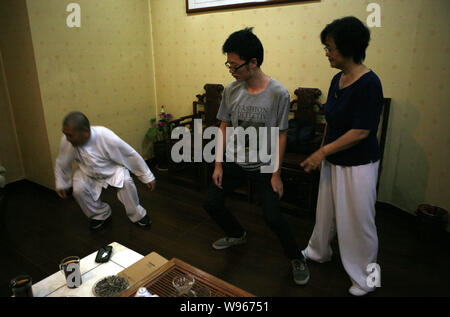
x=98, y=210
x=346, y=206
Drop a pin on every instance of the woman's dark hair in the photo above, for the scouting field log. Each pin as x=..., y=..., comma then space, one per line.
x=350, y=35
x=246, y=45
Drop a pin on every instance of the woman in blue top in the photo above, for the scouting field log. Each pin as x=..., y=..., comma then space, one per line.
x=349, y=158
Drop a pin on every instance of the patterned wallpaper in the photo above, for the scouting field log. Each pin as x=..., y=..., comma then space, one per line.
x=104, y=68
x=24, y=95
x=10, y=156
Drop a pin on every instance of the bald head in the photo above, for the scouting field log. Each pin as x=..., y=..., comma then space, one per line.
x=77, y=128
x=77, y=120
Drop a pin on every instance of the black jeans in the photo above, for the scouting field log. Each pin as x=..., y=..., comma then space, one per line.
x=233, y=177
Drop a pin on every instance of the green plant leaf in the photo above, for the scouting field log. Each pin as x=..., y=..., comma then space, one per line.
x=152, y=133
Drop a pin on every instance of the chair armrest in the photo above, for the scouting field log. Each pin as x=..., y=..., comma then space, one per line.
x=179, y=121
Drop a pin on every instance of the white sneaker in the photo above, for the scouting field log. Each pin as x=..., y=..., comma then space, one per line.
x=304, y=255
x=356, y=291
x=306, y=258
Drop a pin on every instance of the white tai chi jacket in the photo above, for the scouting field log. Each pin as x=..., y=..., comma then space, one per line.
x=104, y=159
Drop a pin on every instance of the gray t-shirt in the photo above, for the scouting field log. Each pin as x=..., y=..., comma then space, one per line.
x=252, y=117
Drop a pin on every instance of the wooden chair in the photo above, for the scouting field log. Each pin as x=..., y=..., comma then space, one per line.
x=198, y=175
x=205, y=108
x=300, y=188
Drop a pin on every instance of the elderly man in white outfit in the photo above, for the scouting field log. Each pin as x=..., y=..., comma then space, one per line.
x=102, y=159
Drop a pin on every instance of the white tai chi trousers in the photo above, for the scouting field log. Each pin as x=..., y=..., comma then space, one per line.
x=346, y=207
x=98, y=210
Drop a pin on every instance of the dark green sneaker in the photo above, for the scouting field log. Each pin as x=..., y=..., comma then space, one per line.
x=300, y=271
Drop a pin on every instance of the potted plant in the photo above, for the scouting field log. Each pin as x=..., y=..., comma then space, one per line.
x=159, y=134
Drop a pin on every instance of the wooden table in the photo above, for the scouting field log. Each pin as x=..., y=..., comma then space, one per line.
x=160, y=282
x=55, y=285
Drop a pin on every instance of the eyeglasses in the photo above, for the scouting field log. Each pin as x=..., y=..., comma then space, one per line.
x=232, y=68
x=329, y=49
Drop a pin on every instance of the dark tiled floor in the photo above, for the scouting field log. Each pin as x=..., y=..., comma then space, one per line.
x=39, y=229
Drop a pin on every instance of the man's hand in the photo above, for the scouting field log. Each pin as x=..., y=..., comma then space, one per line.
x=217, y=176
x=152, y=185
x=277, y=184
x=61, y=193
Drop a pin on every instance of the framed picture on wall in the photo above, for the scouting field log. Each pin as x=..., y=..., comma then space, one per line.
x=210, y=5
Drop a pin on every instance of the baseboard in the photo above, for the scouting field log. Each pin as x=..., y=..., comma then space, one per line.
x=385, y=205
x=400, y=212
x=10, y=181
x=25, y=182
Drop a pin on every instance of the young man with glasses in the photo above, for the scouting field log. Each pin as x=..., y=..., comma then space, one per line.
x=256, y=101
